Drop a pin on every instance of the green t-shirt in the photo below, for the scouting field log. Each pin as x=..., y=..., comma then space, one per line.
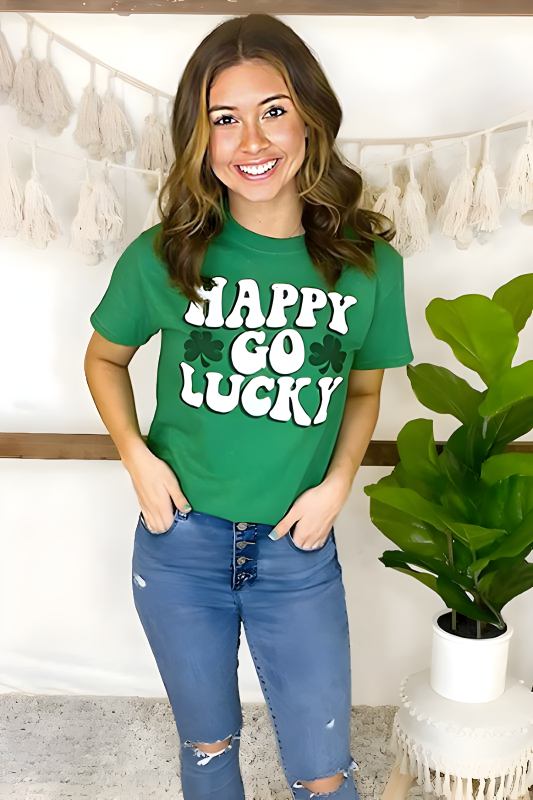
x=251, y=389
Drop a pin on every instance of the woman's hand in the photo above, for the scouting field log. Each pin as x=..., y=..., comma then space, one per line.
x=156, y=487
x=314, y=512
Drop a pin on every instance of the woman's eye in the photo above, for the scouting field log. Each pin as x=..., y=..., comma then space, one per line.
x=228, y=116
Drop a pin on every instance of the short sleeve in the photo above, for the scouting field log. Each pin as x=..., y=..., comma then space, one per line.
x=123, y=315
x=387, y=342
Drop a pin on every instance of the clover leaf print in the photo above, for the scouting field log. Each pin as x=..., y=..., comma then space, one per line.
x=327, y=353
x=201, y=345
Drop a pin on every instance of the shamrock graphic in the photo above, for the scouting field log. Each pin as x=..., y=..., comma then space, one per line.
x=329, y=352
x=201, y=345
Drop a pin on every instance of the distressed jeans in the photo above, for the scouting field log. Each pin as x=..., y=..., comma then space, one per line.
x=192, y=587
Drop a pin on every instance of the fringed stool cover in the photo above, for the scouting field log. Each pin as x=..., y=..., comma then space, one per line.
x=491, y=743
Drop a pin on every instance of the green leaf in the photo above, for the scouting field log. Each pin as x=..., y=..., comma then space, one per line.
x=509, y=425
x=407, y=531
x=452, y=595
x=457, y=598
x=516, y=296
x=514, y=385
x=441, y=390
x=497, y=468
x=417, y=451
x=480, y=332
x=507, y=582
x=474, y=536
x=440, y=568
x=518, y=542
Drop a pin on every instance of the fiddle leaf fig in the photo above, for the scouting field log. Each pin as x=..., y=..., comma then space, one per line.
x=461, y=514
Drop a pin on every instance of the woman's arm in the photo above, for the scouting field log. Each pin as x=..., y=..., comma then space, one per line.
x=106, y=372
x=358, y=424
x=156, y=485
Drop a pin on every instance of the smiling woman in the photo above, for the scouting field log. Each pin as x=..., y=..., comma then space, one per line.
x=272, y=290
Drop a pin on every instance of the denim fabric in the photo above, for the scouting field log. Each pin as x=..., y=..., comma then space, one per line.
x=192, y=586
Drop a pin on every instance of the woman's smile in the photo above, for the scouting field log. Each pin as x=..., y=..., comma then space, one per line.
x=260, y=172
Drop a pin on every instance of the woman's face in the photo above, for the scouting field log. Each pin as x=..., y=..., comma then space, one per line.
x=246, y=130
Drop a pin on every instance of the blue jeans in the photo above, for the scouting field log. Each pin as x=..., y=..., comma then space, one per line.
x=192, y=586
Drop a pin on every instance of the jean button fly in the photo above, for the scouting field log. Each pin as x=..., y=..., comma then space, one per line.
x=242, y=526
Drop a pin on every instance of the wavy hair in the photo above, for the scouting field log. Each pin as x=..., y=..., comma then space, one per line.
x=191, y=201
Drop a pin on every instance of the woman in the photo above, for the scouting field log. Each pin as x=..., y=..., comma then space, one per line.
x=280, y=303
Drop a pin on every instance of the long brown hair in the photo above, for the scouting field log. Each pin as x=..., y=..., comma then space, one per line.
x=192, y=197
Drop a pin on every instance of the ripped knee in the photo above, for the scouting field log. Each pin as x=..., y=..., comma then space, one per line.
x=205, y=751
x=323, y=786
x=213, y=747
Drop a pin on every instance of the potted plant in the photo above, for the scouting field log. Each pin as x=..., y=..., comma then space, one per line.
x=462, y=513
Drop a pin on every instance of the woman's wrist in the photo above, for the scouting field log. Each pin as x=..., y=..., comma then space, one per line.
x=131, y=449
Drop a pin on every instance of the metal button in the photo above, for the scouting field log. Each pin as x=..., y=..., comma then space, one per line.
x=240, y=545
x=242, y=560
x=242, y=526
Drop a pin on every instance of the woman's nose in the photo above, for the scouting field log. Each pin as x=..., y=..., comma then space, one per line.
x=253, y=137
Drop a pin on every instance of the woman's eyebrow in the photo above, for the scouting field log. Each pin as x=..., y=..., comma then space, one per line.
x=262, y=103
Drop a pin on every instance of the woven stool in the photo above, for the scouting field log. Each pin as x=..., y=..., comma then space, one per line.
x=462, y=750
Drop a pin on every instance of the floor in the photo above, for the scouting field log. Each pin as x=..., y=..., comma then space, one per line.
x=126, y=748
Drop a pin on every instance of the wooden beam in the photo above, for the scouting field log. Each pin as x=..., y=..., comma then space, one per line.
x=100, y=447
x=416, y=8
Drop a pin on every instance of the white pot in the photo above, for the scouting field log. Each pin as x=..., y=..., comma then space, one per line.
x=468, y=670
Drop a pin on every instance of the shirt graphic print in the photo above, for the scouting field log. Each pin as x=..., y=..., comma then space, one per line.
x=251, y=386
x=260, y=340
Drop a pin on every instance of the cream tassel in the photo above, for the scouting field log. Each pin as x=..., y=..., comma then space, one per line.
x=453, y=215
x=458, y=784
x=7, y=65
x=369, y=195
x=84, y=235
x=11, y=199
x=57, y=105
x=87, y=132
x=427, y=776
x=151, y=152
x=117, y=135
x=485, y=212
x=519, y=190
x=39, y=223
x=413, y=233
x=388, y=202
x=153, y=217
x=24, y=94
x=431, y=188
x=446, y=786
x=404, y=768
x=108, y=212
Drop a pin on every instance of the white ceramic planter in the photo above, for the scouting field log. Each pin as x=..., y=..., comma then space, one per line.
x=468, y=670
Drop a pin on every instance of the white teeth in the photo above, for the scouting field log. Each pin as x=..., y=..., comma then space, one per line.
x=259, y=169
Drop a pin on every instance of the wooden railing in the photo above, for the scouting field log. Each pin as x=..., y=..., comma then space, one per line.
x=100, y=447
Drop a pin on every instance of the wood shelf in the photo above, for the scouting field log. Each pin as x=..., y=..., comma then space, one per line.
x=412, y=8
x=100, y=447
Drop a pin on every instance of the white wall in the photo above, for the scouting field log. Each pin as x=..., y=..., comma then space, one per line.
x=68, y=624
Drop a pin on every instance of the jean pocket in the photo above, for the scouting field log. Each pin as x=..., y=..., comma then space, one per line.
x=177, y=516
x=329, y=538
